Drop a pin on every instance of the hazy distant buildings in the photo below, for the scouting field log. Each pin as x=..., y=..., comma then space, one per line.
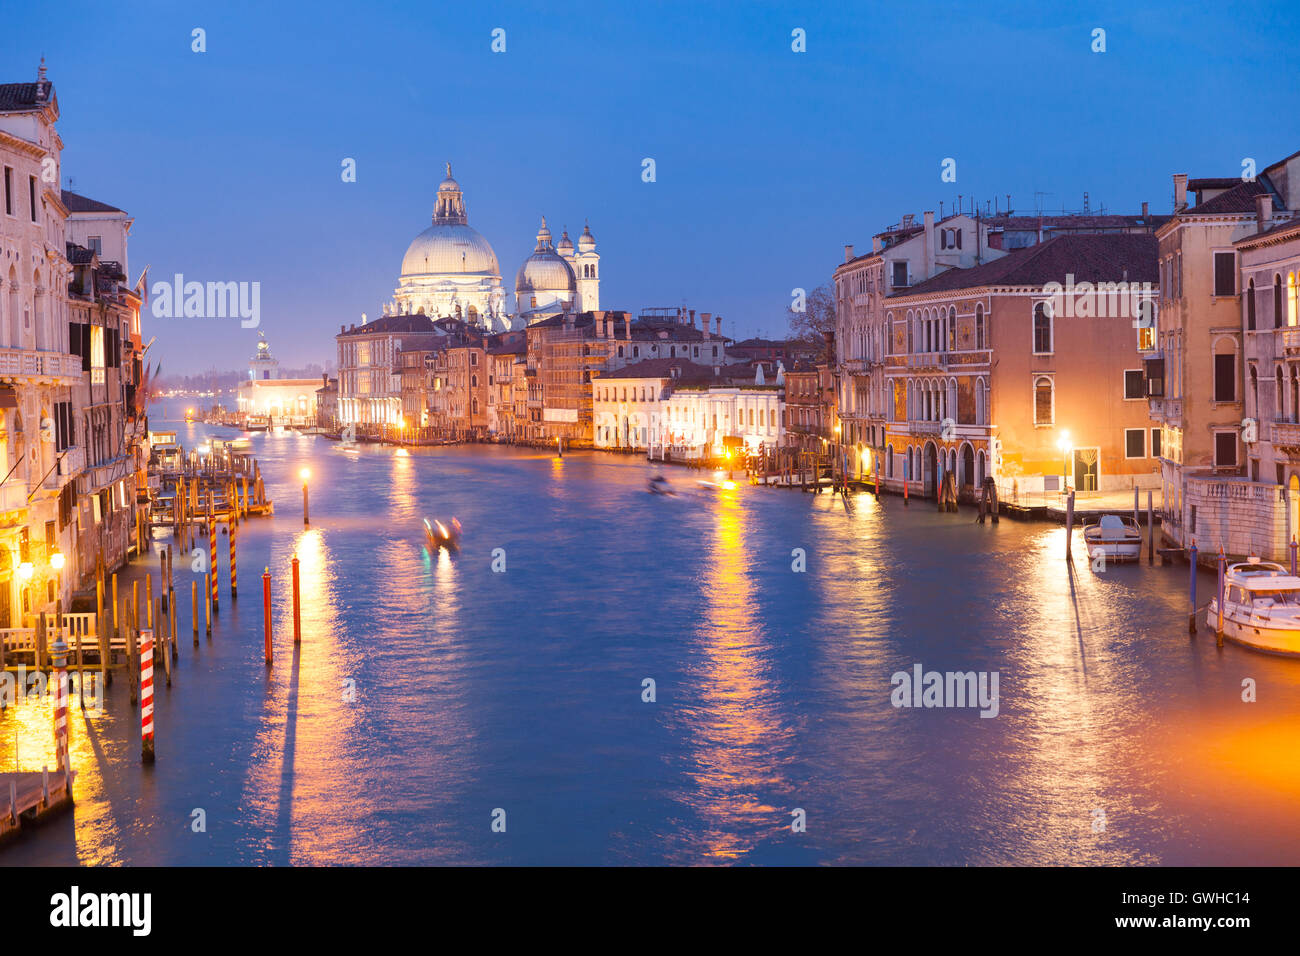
x=263, y=393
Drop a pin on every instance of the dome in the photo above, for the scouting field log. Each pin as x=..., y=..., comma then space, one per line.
x=565, y=245
x=586, y=241
x=545, y=271
x=449, y=248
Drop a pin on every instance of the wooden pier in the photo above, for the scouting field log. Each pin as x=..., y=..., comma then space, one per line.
x=29, y=798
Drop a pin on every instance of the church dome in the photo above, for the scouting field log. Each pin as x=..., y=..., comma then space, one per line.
x=450, y=246
x=449, y=249
x=565, y=245
x=545, y=270
x=586, y=241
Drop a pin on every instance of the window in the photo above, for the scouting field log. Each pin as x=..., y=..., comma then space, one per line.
x=979, y=327
x=952, y=329
x=1225, y=449
x=1042, y=328
x=1133, y=384
x=900, y=273
x=9, y=191
x=1135, y=443
x=1155, y=443
x=1225, y=273
x=1250, y=305
x=1277, y=301
x=95, y=244
x=1043, y=401
x=31, y=194
x=1225, y=378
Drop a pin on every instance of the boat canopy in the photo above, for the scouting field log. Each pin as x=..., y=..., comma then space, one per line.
x=1269, y=582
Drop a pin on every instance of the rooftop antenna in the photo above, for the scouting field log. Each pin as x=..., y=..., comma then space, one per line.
x=1086, y=209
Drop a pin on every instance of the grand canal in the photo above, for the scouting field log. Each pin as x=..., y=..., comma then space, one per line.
x=429, y=692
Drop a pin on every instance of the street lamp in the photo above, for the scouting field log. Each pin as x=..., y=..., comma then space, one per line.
x=305, y=473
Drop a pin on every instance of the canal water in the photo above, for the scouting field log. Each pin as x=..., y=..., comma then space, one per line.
x=432, y=695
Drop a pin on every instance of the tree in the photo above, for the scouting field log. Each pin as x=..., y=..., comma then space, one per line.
x=817, y=317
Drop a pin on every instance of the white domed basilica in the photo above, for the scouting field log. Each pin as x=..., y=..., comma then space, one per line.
x=451, y=270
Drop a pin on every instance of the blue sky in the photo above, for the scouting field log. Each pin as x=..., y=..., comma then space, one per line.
x=768, y=161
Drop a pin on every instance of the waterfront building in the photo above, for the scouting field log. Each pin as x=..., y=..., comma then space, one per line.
x=70, y=425
x=506, y=358
x=417, y=375
x=629, y=403
x=1196, y=379
x=327, y=404
x=263, y=393
x=715, y=416
x=1026, y=369
x=370, y=380
x=901, y=257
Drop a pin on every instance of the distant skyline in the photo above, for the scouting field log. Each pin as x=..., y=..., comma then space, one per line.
x=767, y=161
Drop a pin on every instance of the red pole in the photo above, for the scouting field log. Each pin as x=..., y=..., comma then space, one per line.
x=266, y=611
x=60, y=650
x=212, y=552
x=297, y=610
x=146, y=696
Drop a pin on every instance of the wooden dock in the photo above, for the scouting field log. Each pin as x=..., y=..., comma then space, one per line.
x=29, y=798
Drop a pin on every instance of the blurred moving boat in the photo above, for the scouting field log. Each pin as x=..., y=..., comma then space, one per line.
x=438, y=535
x=1261, y=607
x=658, y=485
x=1118, y=537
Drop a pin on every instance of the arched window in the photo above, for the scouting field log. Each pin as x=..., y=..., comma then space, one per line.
x=1042, y=328
x=1250, y=305
x=1278, y=396
x=910, y=341
x=1277, y=301
x=1044, y=401
x=979, y=327
x=1292, y=306
x=1254, y=392
x=952, y=328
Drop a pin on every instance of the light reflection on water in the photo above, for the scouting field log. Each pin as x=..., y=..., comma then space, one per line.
x=476, y=690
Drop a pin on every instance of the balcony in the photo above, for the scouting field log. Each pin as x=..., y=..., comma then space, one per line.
x=937, y=360
x=55, y=368
x=1291, y=341
x=1286, y=435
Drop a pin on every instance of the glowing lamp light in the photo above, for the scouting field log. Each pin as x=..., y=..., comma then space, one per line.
x=305, y=474
x=56, y=560
x=25, y=571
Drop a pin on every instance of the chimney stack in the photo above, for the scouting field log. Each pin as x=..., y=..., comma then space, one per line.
x=600, y=325
x=929, y=243
x=875, y=243
x=1180, y=191
x=718, y=319
x=627, y=326
x=704, y=324
x=1144, y=211
x=1263, y=211
x=692, y=318
x=848, y=252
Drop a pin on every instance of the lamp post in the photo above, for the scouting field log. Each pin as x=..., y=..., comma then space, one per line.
x=305, y=473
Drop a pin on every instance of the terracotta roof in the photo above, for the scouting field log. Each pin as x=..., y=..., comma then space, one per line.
x=661, y=368
x=1114, y=257
x=393, y=323
x=78, y=203
x=1240, y=198
x=22, y=96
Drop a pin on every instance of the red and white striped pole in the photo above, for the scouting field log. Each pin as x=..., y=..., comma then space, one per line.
x=146, y=696
x=59, y=651
x=266, y=612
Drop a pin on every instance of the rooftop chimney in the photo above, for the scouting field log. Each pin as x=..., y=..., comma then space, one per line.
x=929, y=243
x=718, y=319
x=1263, y=211
x=1144, y=211
x=875, y=243
x=1180, y=191
x=704, y=323
x=600, y=326
x=848, y=252
x=627, y=326
x=692, y=318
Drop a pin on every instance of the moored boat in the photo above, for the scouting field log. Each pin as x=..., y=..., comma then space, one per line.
x=1118, y=537
x=1261, y=607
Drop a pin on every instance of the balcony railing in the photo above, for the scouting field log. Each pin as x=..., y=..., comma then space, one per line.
x=33, y=363
x=1286, y=434
x=1291, y=340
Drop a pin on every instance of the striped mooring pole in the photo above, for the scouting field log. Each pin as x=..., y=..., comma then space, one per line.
x=297, y=607
x=266, y=612
x=234, y=576
x=59, y=650
x=146, y=696
x=212, y=554
x=1293, y=550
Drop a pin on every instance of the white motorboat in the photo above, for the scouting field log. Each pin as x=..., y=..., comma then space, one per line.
x=1261, y=607
x=1118, y=537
